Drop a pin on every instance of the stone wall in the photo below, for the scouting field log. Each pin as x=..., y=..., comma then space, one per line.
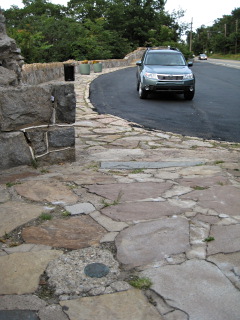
x=36, y=73
x=36, y=124
x=37, y=115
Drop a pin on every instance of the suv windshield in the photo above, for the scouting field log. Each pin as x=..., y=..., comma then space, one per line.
x=165, y=59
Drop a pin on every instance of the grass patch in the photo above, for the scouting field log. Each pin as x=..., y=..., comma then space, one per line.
x=44, y=171
x=115, y=202
x=225, y=56
x=199, y=188
x=93, y=165
x=45, y=216
x=11, y=184
x=6, y=236
x=34, y=164
x=72, y=186
x=218, y=162
x=208, y=239
x=141, y=283
x=66, y=213
x=136, y=171
x=193, y=147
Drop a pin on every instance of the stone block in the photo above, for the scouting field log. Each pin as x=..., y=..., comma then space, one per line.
x=61, y=137
x=131, y=304
x=7, y=77
x=65, y=102
x=57, y=156
x=14, y=150
x=37, y=139
x=25, y=106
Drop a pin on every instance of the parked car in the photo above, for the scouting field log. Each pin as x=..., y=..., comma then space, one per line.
x=202, y=56
x=165, y=70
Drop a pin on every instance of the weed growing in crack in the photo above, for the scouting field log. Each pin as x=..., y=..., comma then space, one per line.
x=45, y=216
x=115, y=202
x=208, y=239
x=199, y=188
x=218, y=162
x=11, y=184
x=136, y=171
x=141, y=283
x=66, y=213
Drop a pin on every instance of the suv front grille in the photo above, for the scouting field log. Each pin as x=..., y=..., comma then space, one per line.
x=169, y=77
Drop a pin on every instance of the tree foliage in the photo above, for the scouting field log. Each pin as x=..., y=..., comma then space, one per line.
x=222, y=37
x=90, y=29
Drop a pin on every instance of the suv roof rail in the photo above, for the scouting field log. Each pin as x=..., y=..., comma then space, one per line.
x=163, y=48
x=173, y=48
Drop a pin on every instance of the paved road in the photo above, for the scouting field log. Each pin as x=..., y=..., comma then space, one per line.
x=214, y=112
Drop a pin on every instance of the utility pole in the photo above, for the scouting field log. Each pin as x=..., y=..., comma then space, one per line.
x=236, y=36
x=190, y=41
x=225, y=30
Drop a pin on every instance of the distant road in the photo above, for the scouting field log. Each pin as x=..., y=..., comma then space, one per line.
x=214, y=112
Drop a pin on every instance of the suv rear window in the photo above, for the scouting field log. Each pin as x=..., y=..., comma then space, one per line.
x=165, y=59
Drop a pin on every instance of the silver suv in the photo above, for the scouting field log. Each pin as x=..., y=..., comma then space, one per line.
x=165, y=70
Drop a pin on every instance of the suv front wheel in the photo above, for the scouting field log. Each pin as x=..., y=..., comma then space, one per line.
x=188, y=95
x=142, y=93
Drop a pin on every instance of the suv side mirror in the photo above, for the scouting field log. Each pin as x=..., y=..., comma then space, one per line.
x=139, y=63
x=190, y=63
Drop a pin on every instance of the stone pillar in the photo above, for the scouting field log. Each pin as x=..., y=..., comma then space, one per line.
x=11, y=61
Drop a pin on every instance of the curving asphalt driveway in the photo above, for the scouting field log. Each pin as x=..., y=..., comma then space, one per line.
x=214, y=113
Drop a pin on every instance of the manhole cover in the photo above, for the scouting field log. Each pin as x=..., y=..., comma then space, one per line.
x=96, y=270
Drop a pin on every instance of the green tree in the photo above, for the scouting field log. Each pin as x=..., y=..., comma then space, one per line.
x=89, y=29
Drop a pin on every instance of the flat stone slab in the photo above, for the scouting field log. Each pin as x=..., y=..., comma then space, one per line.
x=18, y=315
x=200, y=170
x=80, y=208
x=26, y=247
x=15, y=213
x=227, y=239
x=12, y=177
x=21, y=302
x=46, y=191
x=20, y=272
x=131, y=304
x=4, y=194
x=72, y=233
x=204, y=182
x=90, y=177
x=223, y=199
x=16, y=304
x=152, y=241
x=198, y=288
x=121, y=192
x=108, y=223
x=118, y=154
x=230, y=266
x=67, y=274
x=140, y=211
x=147, y=164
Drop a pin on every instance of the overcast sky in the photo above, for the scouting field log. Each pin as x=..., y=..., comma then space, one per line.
x=203, y=12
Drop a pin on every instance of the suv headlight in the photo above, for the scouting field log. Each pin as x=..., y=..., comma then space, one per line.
x=151, y=75
x=188, y=76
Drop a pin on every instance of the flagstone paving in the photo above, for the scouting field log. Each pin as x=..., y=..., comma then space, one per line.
x=136, y=203
x=71, y=233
